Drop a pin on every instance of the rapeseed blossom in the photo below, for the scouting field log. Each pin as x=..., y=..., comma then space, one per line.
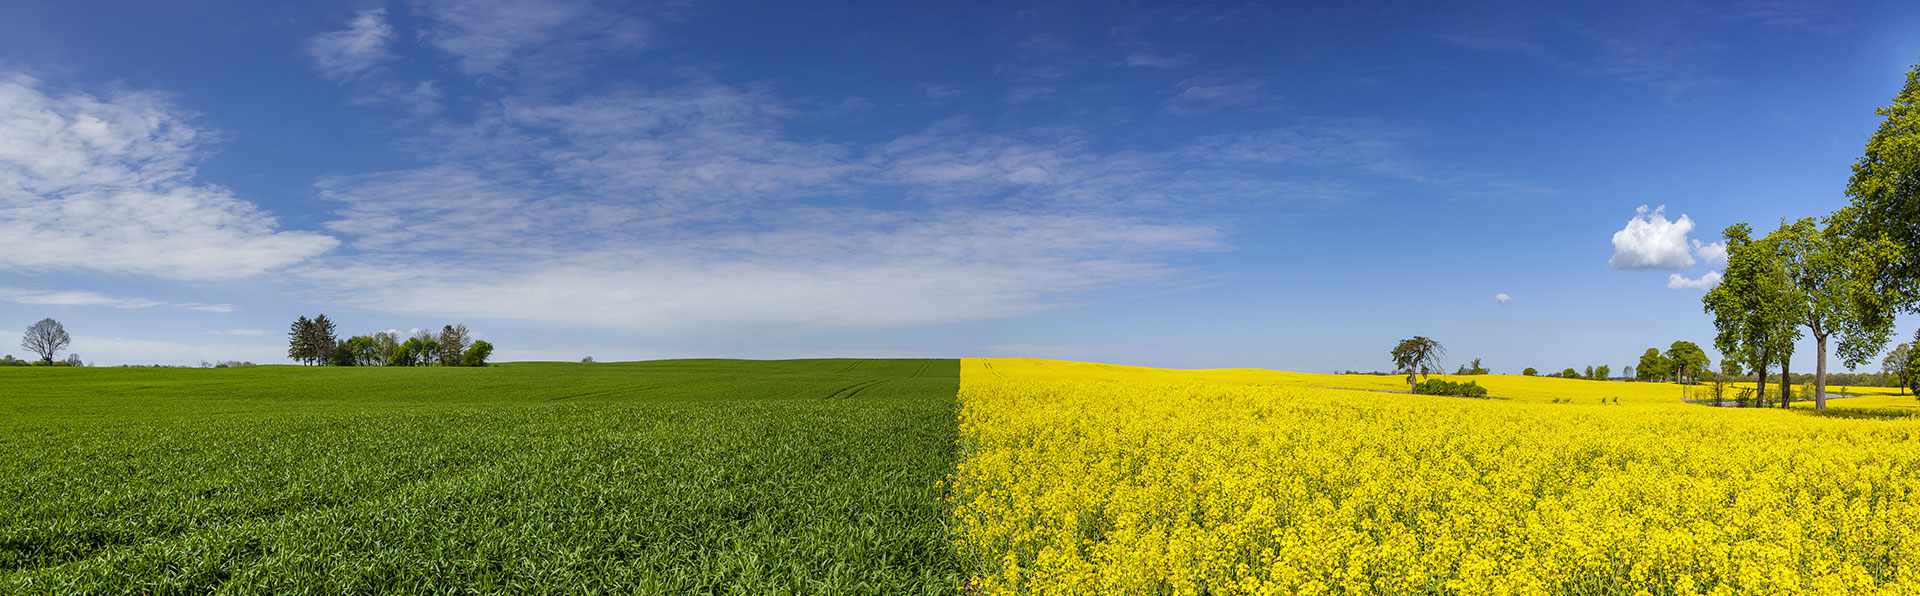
x=1084, y=478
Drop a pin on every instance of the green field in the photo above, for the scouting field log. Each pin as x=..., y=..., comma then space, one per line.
x=669, y=476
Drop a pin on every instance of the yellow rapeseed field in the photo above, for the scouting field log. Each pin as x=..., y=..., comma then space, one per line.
x=1085, y=478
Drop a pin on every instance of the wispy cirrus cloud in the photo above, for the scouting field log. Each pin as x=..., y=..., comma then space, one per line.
x=1199, y=95
x=91, y=298
x=348, y=53
x=108, y=184
x=543, y=40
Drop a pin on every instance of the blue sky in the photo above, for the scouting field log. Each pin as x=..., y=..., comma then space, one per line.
x=1187, y=185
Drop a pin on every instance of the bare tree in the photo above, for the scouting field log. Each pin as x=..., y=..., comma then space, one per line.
x=46, y=338
x=1419, y=356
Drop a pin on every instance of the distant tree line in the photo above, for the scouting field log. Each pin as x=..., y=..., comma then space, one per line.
x=314, y=342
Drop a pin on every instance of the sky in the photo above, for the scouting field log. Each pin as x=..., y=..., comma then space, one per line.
x=1290, y=186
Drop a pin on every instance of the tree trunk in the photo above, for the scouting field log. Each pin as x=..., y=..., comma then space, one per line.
x=1786, y=382
x=1760, y=385
x=1820, y=372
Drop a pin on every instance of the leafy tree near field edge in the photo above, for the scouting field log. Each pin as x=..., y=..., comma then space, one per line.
x=1417, y=356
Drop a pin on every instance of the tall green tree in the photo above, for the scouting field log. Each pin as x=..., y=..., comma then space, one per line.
x=299, y=340
x=1895, y=366
x=1753, y=307
x=1885, y=188
x=1835, y=294
x=1602, y=372
x=1417, y=356
x=1653, y=365
x=1686, y=360
x=322, y=339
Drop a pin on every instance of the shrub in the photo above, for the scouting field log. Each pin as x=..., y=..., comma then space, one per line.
x=1443, y=387
x=1530, y=372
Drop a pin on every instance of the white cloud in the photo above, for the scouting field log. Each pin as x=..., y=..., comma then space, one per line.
x=938, y=92
x=1713, y=255
x=509, y=38
x=91, y=298
x=1502, y=298
x=73, y=298
x=1206, y=95
x=351, y=52
x=1143, y=59
x=1677, y=281
x=109, y=185
x=214, y=308
x=1651, y=241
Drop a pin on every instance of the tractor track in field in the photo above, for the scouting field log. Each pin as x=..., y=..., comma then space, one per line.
x=849, y=391
x=606, y=392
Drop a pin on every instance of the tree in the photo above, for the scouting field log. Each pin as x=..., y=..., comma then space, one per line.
x=74, y=360
x=1752, y=307
x=1895, y=365
x=477, y=354
x=1602, y=372
x=1885, y=193
x=1569, y=374
x=1653, y=366
x=46, y=338
x=386, y=348
x=452, y=344
x=1530, y=372
x=1832, y=276
x=1686, y=360
x=322, y=338
x=424, y=347
x=299, y=338
x=1417, y=355
x=1589, y=373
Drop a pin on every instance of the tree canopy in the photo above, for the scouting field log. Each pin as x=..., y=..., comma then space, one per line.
x=1417, y=356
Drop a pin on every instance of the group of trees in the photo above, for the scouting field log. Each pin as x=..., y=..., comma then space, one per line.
x=1839, y=279
x=313, y=342
x=1902, y=365
x=1683, y=362
x=46, y=338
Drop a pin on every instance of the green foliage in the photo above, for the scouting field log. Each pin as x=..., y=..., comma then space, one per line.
x=693, y=476
x=1569, y=374
x=1448, y=388
x=1653, y=365
x=477, y=354
x=1753, y=306
x=1417, y=355
x=1602, y=372
x=1885, y=188
x=1685, y=361
x=1530, y=372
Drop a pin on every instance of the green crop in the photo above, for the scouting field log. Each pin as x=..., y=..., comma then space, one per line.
x=819, y=476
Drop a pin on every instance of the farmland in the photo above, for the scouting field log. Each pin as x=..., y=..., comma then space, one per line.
x=672, y=476
x=1084, y=478
x=935, y=476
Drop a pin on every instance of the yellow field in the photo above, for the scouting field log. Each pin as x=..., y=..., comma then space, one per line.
x=1087, y=478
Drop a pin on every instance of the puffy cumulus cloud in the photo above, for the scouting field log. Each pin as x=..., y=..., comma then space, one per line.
x=1502, y=298
x=108, y=184
x=351, y=52
x=1713, y=254
x=1678, y=282
x=1651, y=241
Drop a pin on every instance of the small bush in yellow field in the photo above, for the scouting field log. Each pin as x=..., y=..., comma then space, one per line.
x=1083, y=478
